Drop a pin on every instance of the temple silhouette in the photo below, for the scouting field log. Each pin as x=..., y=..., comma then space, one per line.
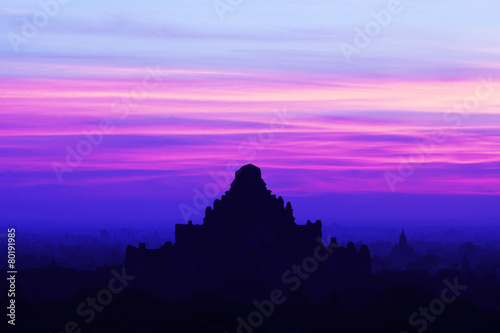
x=247, y=241
x=402, y=253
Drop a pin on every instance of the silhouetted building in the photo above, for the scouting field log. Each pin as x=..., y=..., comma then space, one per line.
x=402, y=253
x=248, y=239
x=465, y=267
x=53, y=262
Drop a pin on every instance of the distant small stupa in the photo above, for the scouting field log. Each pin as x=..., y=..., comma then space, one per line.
x=53, y=263
x=402, y=253
x=465, y=268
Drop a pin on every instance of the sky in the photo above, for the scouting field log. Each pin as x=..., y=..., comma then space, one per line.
x=354, y=110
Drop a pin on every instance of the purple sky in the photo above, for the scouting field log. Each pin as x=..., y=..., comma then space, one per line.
x=125, y=110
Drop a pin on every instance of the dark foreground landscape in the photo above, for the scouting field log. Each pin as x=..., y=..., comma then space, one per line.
x=249, y=267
